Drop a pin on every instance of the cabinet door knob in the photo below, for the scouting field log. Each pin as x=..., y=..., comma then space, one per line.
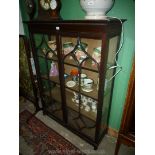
x=57, y=28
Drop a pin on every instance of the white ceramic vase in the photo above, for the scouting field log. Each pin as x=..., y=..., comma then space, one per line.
x=96, y=9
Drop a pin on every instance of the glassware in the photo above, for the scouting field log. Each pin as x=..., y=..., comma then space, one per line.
x=53, y=70
x=74, y=73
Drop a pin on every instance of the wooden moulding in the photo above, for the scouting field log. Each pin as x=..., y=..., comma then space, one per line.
x=112, y=132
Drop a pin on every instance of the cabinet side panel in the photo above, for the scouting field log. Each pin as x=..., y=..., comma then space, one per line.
x=113, y=43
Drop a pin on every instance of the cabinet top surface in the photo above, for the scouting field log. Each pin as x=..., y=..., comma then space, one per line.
x=111, y=26
x=102, y=22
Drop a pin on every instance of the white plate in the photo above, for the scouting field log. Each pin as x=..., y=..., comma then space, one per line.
x=71, y=84
x=87, y=90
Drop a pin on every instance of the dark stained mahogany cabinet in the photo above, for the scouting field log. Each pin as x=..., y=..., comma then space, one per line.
x=73, y=61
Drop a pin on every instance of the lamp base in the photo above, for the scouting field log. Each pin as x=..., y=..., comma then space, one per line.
x=97, y=17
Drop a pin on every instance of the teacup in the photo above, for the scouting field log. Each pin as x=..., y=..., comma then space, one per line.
x=83, y=76
x=94, y=106
x=87, y=108
x=88, y=84
x=50, y=54
x=84, y=100
x=90, y=100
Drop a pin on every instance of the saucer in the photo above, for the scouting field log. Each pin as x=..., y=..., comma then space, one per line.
x=71, y=84
x=87, y=90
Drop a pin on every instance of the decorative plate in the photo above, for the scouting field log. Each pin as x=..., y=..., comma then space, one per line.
x=71, y=84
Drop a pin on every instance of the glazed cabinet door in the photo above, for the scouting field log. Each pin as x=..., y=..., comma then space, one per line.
x=81, y=57
x=47, y=59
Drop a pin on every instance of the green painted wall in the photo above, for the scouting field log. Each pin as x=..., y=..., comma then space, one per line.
x=122, y=9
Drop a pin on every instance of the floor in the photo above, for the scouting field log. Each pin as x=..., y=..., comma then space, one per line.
x=106, y=147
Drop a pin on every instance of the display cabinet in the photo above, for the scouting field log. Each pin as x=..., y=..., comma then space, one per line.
x=74, y=60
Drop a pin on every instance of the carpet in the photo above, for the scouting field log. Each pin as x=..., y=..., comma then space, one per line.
x=42, y=139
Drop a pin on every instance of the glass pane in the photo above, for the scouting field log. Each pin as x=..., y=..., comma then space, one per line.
x=74, y=55
x=113, y=42
x=81, y=58
x=46, y=46
x=49, y=73
x=25, y=81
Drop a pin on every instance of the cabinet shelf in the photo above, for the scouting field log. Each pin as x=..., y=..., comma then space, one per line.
x=93, y=94
x=70, y=104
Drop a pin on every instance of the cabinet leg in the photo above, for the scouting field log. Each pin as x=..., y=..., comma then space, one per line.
x=44, y=113
x=95, y=147
x=117, y=147
x=37, y=110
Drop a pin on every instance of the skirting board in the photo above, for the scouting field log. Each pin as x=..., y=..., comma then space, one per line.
x=112, y=132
